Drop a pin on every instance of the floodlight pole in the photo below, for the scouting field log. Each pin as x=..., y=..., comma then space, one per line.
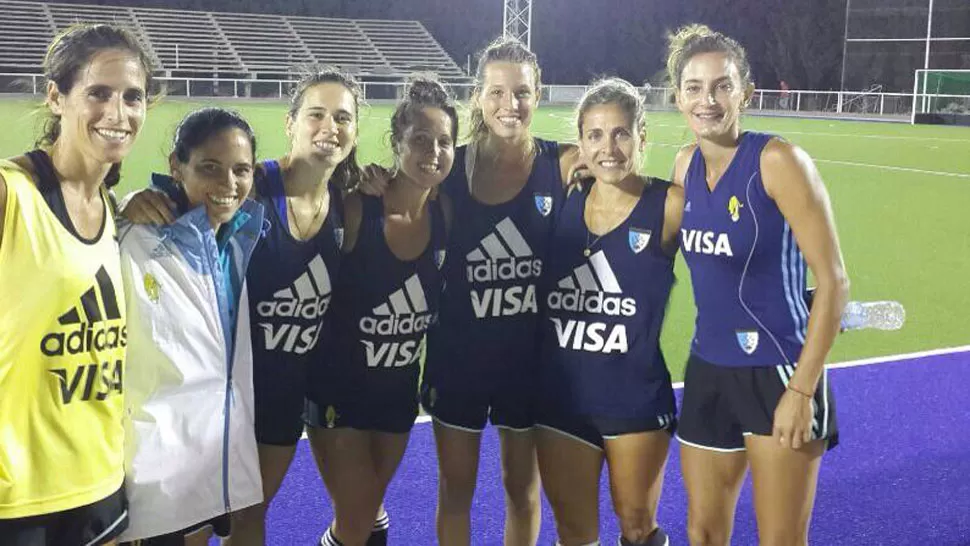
x=929, y=33
x=845, y=51
x=517, y=20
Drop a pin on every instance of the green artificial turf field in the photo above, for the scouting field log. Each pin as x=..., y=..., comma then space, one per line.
x=901, y=196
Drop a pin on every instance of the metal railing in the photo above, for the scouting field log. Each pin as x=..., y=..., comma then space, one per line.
x=803, y=103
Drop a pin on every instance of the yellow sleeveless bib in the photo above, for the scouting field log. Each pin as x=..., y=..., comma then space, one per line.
x=62, y=352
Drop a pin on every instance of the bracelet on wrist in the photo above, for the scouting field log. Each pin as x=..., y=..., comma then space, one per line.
x=799, y=391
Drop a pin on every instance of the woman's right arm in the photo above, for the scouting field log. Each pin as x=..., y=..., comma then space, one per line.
x=147, y=206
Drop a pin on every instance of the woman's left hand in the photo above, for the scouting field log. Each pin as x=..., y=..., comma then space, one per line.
x=793, y=420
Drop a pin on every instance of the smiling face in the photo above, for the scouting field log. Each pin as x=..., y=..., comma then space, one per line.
x=508, y=98
x=104, y=110
x=609, y=143
x=218, y=174
x=427, y=147
x=712, y=95
x=324, y=128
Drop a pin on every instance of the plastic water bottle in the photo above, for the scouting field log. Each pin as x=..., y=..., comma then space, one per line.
x=878, y=315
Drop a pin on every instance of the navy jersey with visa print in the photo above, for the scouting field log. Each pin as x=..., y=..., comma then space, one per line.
x=602, y=314
x=747, y=270
x=290, y=281
x=488, y=312
x=383, y=306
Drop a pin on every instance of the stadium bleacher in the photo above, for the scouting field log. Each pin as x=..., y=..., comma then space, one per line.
x=207, y=43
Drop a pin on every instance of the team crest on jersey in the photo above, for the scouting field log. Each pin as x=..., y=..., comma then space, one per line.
x=331, y=416
x=543, y=203
x=432, y=397
x=152, y=288
x=687, y=207
x=734, y=208
x=748, y=340
x=338, y=236
x=264, y=229
x=439, y=258
x=639, y=238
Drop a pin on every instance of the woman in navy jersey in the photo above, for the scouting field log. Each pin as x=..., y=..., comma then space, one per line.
x=482, y=357
x=364, y=400
x=293, y=268
x=605, y=390
x=481, y=365
x=756, y=218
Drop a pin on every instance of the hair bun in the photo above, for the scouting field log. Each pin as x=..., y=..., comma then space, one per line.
x=426, y=89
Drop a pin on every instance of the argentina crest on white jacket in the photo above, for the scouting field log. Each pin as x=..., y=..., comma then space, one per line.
x=190, y=449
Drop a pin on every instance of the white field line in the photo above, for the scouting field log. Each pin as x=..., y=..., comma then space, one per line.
x=855, y=164
x=852, y=135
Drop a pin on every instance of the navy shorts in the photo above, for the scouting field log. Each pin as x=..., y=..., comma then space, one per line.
x=280, y=395
x=90, y=525
x=508, y=402
x=380, y=400
x=723, y=404
x=594, y=431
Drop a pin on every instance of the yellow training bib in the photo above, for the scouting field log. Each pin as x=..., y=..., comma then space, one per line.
x=62, y=352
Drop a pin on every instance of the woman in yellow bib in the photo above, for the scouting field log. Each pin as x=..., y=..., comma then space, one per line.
x=62, y=310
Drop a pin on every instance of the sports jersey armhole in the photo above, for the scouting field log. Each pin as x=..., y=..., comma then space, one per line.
x=457, y=179
x=371, y=221
x=270, y=187
x=50, y=189
x=695, y=157
x=552, y=148
x=336, y=212
x=439, y=233
x=661, y=212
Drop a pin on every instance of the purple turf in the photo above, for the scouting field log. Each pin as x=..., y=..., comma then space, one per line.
x=901, y=475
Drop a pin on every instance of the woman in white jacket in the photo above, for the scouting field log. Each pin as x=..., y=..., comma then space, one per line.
x=190, y=448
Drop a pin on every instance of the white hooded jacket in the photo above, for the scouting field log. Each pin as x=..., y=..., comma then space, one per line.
x=190, y=449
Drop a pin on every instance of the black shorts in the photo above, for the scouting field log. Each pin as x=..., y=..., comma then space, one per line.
x=280, y=394
x=722, y=404
x=376, y=400
x=509, y=402
x=90, y=525
x=594, y=431
x=221, y=527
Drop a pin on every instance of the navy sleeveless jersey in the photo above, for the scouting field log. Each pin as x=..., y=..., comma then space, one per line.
x=290, y=281
x=747, y=270
x=603, y=313
x=383, y=306
x=489, y=310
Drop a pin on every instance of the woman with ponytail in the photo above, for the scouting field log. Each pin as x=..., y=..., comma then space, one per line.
x=757, y=218
x=62, y=317
x=289, y=280
x=362, y=406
